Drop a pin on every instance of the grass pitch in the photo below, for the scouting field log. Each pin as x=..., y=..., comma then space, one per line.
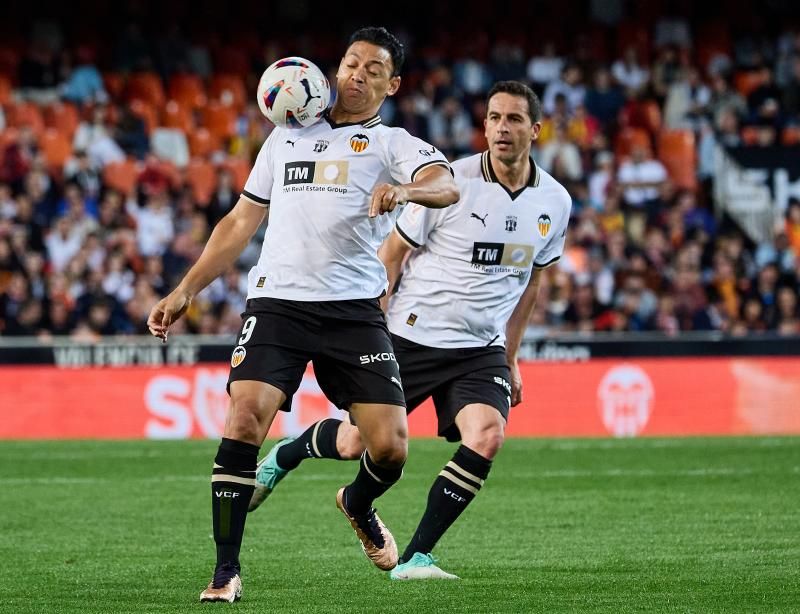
x=688, y=525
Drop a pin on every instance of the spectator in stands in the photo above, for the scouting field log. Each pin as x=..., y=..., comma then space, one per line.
x=641, y=178
x=725, y=99
x=80, y=170
x=604, y=99
x=687, y=102
x=63, y=242
x=131, y=134
x=601, y=178
x=95, y=138
x=629, y=73
x=154, y=225
x=561, y=157
x=224, y=197
x=570, y=85
x=451, y=128
x=545, y=67
x=666, y=71
x=84, y=84
x=791, y=94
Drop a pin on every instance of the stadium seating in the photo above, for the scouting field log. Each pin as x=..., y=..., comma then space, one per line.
x=202, y=179
x=63, y=116
x=146, y=86
x=220, y=119
x=56, y=148
x=121, y=176
x=676, y=150
x=228, y=89
x=188, y=91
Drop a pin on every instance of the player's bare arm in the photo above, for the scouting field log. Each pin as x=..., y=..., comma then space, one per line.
x=433, y=187
x=228, y=239
x=515, y=329
x=393, y=254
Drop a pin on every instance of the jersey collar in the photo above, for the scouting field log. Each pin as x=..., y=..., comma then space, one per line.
x=367, y=123
x=490, y=176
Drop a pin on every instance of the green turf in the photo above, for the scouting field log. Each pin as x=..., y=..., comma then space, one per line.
x=686, y=525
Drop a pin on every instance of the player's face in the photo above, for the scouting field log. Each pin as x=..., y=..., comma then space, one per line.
x=508, y=127
x=365, y=78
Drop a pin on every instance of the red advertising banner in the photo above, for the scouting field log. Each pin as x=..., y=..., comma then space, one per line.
x=599, y=397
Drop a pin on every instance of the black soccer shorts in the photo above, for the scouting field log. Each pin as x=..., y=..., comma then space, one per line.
x=347, y=342
x=454, y=378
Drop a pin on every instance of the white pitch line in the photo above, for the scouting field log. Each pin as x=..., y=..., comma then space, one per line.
x=311, y=477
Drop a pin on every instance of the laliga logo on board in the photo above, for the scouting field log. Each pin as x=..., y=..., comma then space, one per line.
x=625, y=396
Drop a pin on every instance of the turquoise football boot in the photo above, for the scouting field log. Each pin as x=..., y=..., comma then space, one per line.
x=420, y=567
x=268, y=474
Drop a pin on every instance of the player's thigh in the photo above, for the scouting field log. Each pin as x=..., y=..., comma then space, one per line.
x=252, y=410
x=481, y=426
x=488, y=388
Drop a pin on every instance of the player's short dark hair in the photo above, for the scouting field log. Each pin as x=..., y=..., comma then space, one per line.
x=516, y=88
x=381, y=37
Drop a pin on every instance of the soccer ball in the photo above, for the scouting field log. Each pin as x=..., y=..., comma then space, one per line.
x=293, y=93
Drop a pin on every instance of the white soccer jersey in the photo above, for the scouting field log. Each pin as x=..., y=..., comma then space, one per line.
x=320, y=244
x=475, y=258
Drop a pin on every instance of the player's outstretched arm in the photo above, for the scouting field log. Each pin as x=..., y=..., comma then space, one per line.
x=432, y=187
x=393, y=254
x=228, y=239
x=515, y=329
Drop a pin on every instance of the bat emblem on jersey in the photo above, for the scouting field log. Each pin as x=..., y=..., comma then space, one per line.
x=427, y=152
x=482, y=220
x=544, y=223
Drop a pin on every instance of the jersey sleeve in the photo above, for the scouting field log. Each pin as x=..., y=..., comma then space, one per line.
x=416, y=222
x=555, y=246
x=408, y=155
x=258, y=187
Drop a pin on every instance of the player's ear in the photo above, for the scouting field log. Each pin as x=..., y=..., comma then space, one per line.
x=535, y=129
x=394, y=85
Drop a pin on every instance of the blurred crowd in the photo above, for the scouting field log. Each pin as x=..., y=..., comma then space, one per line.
x=119, y=154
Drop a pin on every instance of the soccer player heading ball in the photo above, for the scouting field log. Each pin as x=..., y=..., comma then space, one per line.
x=313, y=295
x=457, y=319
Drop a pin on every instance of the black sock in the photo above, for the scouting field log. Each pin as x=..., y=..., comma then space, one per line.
x=232, y=482
x=370, y=483
x=456, y=485
x=317, y=441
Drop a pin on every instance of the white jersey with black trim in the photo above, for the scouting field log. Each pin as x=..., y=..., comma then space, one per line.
x=320, y=243
x=474, y=260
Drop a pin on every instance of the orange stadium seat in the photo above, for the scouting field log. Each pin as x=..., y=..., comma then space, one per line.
x=790, y=135
x=188, y=90
x=676, y=150
x=5, y=89
x=202, y=179
x=121, y=176
x=202, y=143
x=7, y=136
x=56, y=147
x=146, y=86
x=745, y=81
x=25, y=114
x=749, y=135
x=240, y=169
x=175, y=115
x=228, y=89
x=628, y=138
x=63, y=116
x=145, y=111
x=220, y=120
x=114, y=83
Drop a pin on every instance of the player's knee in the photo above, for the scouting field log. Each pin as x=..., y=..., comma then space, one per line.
x=244, y=420
x=390, y=451
x=486, y=440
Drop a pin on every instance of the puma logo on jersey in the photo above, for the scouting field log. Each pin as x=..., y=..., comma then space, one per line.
x=396, y=381
x=482, y=220
x=288, y=142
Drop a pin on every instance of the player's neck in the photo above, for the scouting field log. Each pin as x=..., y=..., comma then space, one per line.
x=513, y=174
x=339, y=115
